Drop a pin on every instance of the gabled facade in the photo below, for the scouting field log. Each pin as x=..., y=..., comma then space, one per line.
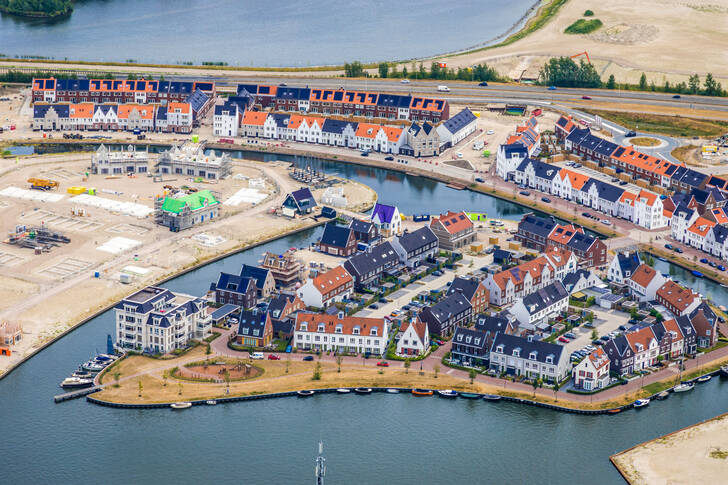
x=416, y=247
x=541, y=305
x=255, y=329
x=454, y=230
x=340, y=333
x=470, y=347
x=415, y=338
x=327, y=288
x=592, y=372
x=337, y=240
x=644, y=283
x=444, y=316
x=387, y=219
x=525, y=356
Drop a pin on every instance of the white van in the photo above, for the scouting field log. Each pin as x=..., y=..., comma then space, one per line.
x=443, y=89
x=257, y=356
x=478, y=145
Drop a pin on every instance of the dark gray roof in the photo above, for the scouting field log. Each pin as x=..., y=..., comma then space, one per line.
x=527, y=348
x=289, y=93
x=374, y=260
x=470, y=337
x=394, y=100
x=232, y=282
x=256, y=273
x=545, y=297
x=692, y=177
x=161, y=113
x=252, y=323
x=281, y=120
x=335, y=235
x=545, y=170
x=448, y=307
x=537, y=225
x=40, y=110
x=278, y=304
x=459, y=121
x=303, y=198
x=337, y=126
x=720, y=233
x=412, y=241
x=197, y=100
x=464, y=286
x=491, y=324
x=620, y=344
x=571, y=279
x=628, y=262
x=580, y=242
x=224, y=311
x=229, y=109
x=682, y=209
x=357, y=225
x=514, y=149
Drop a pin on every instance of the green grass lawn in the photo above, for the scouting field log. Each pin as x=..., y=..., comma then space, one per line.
x=664, y=124
x=583, y=26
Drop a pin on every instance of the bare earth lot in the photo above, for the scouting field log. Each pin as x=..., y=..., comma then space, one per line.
x=696, y=455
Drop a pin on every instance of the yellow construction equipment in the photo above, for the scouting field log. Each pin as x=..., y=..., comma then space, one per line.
x=44, y=184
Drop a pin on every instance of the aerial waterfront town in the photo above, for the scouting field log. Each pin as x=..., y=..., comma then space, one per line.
x=488, y=242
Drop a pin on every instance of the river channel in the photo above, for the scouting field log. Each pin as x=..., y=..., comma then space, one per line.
x=373, y=439
x=261, y=34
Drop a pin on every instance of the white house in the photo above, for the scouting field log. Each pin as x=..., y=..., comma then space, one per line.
x=415, y=247
x=579, y=280
x=592, y=372
x=649, y=211
x=562, y=261
x=387, y=219
x=323, y=332
x=457, y=128
x=226, y=120
x=682, y=218
x=339, y=133
x=327, y=288
x=539, y=306
x=508, y=158
x=415, y=338
x=623, y=266
x=716, y=242
x=645, y=282
x=155, y=319
x=645, y=347
x=526, y=356
x=512, y=284
x=698, y=231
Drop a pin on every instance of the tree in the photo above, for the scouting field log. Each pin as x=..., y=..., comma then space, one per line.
x=164, y=379
x=141, y=387
x=564, y=71
x=404, y=72
x=536, y=383
x=712, y=87
x=472, y=374
x=436, y=369
x=643, y=82
x=355, y=69
x=383, y=69
x=556, y=389
x=179, y=388
x=316, y=372
x=594, y=334
x=611, y=83
x=339, y=360
x=117, y=374
x=226, y=376
x=407, y=364
x=694, y=83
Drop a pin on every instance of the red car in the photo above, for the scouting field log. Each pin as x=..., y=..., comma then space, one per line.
x=585, y=97
x=564, y=339
x=383, y=363
x=273, y=357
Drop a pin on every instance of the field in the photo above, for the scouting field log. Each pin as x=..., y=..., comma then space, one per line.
x=663, y=124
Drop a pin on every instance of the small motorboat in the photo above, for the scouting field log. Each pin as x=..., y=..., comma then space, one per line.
x=469, y=395
x=422, y=392
x=662, y=259
x=697, y=274
x=363, y=390
x=92, y=366
x=724, y=285
x=447, y=393
x=640, y=403
x=181, y=405
x=704, y=378
x=392, y=390
x=684, y=387
x=76, y=383
x=662, y=395
x=492, y=397
x=724, y=371
x=305, y=393
x=82, y=374
x=343, y=390
x=614, y=411
x=211, y=402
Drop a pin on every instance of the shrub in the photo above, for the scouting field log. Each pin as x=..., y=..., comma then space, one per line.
x=582, y=26
x=588, y=13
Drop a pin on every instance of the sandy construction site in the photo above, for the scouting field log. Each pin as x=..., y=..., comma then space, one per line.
x=54, y=290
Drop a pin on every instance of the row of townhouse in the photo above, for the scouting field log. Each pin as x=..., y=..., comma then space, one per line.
x=513, y=284
x=142, y=91
x=669, y=339
x=625, y=159
x=465, y=298
x=700, y=220
x=340, y=333
x=645, y=208
x=523, y=144
x=343, y=102
x=174, y=117
x=541, y=233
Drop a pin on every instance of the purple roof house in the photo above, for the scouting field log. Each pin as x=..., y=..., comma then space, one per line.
x=387, y=219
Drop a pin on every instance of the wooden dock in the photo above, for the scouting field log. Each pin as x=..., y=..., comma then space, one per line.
x=76, y=394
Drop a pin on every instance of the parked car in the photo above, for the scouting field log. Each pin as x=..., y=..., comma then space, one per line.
x=389, y=159
x=364, y=154
x=525, y=192
x=586, y=214
x=623, y=182
x=374, y=306
x=570, y=335
x=605, y=222
x=604, y=338
x=704, y=260
x=668, y=246
x=490, y=132
x=405, y=81
x=273, y=357
x=631, y=133
x=676, y=96
x=257, y=356
x=569, y=164
x=308, y=358
x=721, y=267
x=586, y=97
x=383, y=363
x=577, y=165
x=484, y=84
x=622, y=327
x=564, y=339
x=437, y=272
x=678, y=250
x=546, y=199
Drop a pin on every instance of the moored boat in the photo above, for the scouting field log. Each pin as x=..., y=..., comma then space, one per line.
x=469, y=395
x=662, y=259
x=704, y=378
x=363, y=390
x=640, y=403
x=492, y=397
x=305, y=393
x=343, y=390
x=181, y=405
x=614, y=411
x=76, y=383
x=211, y=402
x=447, y=393
x=724, y=371
x=684, y=387
x=92, y=366
x=422, y=392
x=392, y=390
x=697, y=274
x=662, y=395
x=82, y=374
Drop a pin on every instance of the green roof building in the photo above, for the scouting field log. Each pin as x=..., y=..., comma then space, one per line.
x=184, y=212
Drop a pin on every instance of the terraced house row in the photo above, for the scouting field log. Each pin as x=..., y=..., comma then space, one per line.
x=348, y=102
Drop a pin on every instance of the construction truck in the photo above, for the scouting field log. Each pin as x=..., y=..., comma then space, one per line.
x=42, y=184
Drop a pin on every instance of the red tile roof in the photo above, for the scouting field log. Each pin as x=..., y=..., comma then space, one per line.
x=677, y=296
x=332, y=321
x=332, y=279
x=643, y=275
x=453, y=222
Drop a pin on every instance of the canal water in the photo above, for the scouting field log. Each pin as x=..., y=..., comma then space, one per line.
x=284, y=33
x=373, y=439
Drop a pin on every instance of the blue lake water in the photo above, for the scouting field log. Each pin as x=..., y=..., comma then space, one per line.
x=281, y=33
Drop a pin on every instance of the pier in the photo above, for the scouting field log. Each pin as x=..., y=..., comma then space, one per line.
x=76, y=394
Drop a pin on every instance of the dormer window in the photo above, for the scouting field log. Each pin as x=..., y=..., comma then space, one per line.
x=499, y=349
x=321, y=327
x=355, y=331
x=339, y=328
x=532, y=355
x=373, y=331
x=549, y=359
x=304, y=327
x=516, y=352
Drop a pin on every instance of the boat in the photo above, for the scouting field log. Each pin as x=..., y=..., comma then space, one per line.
x=662, y=259
x=211, y=402
x=614, y=411
x=724, y=285
x=724, y=371
x=181, y=405
x=492, y=397
x=363, y=390
x=640, y=403
x=76, y=383
x=305, y=393
x=697, y=274
x=704, y=378
x=343, y=390
x=722, y=308
x=82, y=374
x=447, y=393
x=92, y=366
x=684, y=387
x=469, y=395
x=422, y=392
x=662, y=395
x=392, y=390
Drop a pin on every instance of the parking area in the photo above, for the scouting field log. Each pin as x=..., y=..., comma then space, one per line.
x=605, y=321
